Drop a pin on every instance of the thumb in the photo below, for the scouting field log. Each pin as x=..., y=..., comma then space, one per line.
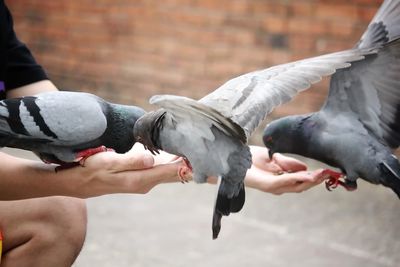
x=289, y=163
x=134, y=161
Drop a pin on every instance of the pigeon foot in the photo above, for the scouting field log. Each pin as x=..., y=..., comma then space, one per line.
x=84, y=154
x=184, y=170
x=334, y=181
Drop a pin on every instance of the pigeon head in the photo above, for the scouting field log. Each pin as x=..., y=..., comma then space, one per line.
x=147, y=128
x=281, y=135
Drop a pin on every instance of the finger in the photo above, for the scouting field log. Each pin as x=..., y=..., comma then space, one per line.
x=296, y=188
x=319, y=176
x=289, y=163
x=301, y=187
x=131, y=161
x=142, y=181
x=294, y=178
x=175, y=159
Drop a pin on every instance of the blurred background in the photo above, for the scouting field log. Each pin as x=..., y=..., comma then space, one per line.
x=128, y=50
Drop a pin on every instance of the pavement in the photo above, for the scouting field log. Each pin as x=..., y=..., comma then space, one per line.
x=171, y=226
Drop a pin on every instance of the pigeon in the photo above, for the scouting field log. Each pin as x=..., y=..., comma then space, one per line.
x=211, y=134
x=359, y=124
x=66, y=127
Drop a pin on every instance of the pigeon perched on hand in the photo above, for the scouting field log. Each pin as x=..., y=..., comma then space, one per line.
x=359, y=123
x=211, y=134
x=65, y=127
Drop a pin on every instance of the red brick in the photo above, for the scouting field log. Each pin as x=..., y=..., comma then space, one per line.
x=187, y=47
x=375, y=3
x=340, y=29
x=275, y=24
x=332, y=11
x=297, y=42
x=301, y=8
x=264, y=8
x=307, y=26
x=366, y=13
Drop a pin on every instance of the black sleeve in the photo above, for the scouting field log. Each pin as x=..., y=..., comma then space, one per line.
x=18, y=66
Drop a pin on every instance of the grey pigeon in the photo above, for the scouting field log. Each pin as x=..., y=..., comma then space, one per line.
x=64, y=126
x=212, y=133
x=359, y=124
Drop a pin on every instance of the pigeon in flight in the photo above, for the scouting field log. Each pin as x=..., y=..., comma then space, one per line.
x=211, y=134
x=62, y=127
x=359, y=124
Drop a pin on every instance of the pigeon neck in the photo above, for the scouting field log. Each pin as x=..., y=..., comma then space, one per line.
x=155, y=130
x=297, y=135
x=302, y=133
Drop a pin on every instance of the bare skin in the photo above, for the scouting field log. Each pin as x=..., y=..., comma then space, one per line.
x=279, y=175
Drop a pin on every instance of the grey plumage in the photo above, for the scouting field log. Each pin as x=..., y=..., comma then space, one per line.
x=59, y=125
x=360, y=121
x=212, y=133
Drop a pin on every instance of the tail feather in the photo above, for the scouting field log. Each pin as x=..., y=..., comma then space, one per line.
x=391, y=174
x=216, y=223
x=224, y=205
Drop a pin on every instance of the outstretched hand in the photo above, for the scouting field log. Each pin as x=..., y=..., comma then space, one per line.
x=132, y=172
x=281, y=174
x=137, y=172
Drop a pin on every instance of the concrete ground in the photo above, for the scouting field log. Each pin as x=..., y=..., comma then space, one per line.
x=171, y=226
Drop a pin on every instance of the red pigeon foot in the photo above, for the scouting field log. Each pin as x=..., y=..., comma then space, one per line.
x=84, y=154
x=334, y=181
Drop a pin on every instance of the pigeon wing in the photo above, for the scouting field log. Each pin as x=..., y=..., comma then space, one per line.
x=370, y=89
x=62, y=118
x=384, y=27
x=200, y=117
x=249, y=98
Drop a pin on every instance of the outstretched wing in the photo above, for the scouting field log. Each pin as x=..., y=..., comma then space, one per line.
x=384, y=27
x=248, y=99
x=371, y=88
x=60, y=118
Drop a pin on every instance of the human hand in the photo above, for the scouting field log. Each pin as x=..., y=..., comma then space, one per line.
x=132, y=172
x=281, y=174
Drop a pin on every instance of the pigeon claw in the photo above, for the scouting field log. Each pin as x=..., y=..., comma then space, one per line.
x=182, y=173
x=185, y=170
x=84, y=154
x=334, y=181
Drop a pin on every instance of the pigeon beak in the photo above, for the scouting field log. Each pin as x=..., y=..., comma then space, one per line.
x=270, y=153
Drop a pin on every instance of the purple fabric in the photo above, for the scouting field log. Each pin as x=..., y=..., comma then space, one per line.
x=2, y=86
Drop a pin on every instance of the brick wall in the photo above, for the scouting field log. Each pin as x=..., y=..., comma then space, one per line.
x=128, y=50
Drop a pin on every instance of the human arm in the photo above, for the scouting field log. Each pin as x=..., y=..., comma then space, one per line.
x=278, y=175
x=32, y=89
x=281, y=174
x=103, y=173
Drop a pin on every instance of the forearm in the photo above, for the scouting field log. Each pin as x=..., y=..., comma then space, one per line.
x=21, y=179
x=32, y=89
